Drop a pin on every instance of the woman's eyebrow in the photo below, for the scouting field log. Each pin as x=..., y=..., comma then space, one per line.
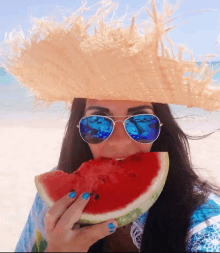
x=130, y=110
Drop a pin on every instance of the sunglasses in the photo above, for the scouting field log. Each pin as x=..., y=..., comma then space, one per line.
x=142, y=128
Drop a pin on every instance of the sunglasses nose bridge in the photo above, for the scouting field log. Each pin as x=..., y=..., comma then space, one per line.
x=123, y=122
x=118, y=120
x=114, y=129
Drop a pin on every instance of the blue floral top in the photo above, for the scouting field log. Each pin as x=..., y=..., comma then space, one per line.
x=204, y=230
x=203, y=234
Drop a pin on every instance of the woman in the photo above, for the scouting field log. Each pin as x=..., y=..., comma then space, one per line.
x=121, y=70
x=168, y=220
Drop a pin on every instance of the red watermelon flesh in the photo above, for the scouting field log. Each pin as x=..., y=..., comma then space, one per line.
x=122, y=190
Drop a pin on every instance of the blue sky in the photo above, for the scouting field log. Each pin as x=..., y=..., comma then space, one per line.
x=200, y=34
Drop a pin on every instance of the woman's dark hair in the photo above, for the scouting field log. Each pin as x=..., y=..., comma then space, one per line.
x=169, y=218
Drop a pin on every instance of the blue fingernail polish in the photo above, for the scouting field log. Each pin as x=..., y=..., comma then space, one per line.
x=72, y=194
x=85, y=195
x=111, y=225
x=111, y=231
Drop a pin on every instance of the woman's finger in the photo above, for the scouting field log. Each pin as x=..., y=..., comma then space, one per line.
x=56, y=211
x=73, y=213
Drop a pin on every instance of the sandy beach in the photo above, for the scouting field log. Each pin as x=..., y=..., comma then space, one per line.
x=27, y=151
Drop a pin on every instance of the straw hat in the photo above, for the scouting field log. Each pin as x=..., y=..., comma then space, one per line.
x=60, y=61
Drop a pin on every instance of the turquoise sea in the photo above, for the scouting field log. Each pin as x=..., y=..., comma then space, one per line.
x=16, y=108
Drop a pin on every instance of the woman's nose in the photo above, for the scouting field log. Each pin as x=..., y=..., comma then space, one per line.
x=119, y=131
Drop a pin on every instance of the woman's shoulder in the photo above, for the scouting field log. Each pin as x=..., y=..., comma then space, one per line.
x=33, y=237
x=204, y=230
x=209, y=209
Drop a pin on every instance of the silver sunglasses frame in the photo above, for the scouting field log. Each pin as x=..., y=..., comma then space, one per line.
x=123, y=121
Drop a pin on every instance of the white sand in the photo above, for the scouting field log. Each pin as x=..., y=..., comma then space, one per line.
x=26, y=152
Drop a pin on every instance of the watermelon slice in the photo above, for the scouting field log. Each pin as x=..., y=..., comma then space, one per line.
x=122, y=190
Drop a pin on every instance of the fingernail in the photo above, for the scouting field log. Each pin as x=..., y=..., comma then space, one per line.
x=85, y=195
x=72, y=194
x=111, y=225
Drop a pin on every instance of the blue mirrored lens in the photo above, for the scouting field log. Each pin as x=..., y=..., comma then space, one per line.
x=143, y=128
x=95, y=129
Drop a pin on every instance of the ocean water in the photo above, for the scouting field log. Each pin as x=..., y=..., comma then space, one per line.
x=16, y=108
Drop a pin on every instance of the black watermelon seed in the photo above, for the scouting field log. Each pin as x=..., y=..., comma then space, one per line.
x=132, y=174
x=91, y=193
x=96, y=196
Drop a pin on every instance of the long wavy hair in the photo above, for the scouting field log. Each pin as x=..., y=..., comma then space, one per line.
x=169, y=218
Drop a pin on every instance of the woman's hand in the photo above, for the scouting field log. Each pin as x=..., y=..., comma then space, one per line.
x=59, y=221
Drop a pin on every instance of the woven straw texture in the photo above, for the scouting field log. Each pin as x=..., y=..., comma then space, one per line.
x=60, y=61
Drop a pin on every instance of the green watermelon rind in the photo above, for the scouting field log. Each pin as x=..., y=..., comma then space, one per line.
x=152, y=193
x=157, y=184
